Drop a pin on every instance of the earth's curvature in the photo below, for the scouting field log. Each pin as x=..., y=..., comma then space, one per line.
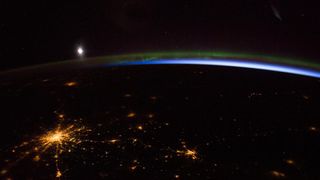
x=182, y=115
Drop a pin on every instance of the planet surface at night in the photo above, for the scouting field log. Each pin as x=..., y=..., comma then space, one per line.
x=179, y=115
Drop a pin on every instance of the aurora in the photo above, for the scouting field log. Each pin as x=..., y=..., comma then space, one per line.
x=297, y=66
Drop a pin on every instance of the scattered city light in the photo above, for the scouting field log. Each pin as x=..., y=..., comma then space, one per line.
x=189, y=153
x=312, y=128
x=131, y=114
x=113, y=141
x=277, y=174
x=71, y=83
x=290, y=161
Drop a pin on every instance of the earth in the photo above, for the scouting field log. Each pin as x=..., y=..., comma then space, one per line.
x=84, y=120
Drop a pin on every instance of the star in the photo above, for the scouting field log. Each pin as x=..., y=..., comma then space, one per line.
x=80, y=51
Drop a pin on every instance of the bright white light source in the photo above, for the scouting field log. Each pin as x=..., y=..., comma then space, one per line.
x=80, y=51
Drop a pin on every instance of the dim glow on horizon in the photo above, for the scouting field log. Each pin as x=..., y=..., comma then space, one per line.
x=230, y=63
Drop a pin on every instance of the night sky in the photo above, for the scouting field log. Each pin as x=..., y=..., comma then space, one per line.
x=37, y=32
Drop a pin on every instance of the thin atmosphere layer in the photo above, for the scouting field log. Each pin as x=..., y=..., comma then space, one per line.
x=227, y=63
x=303, y=67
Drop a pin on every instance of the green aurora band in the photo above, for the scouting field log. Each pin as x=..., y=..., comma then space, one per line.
x=149, y=57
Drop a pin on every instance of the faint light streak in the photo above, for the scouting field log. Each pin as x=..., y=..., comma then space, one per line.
x=312, y=128
x=290, y=161
x=150, y=115
x=45, y=80
x=153, y=98
x=277, y=174
x=71, y=84
x=140, y=127
x=189, y=153
x=61, y=116
x=36, y=158
x=147, y=146
x=306, y=97
x=134, y=140
x=3, y=172
x=58, y=174
x=113, y=141
x=131, y=115
x=134, y=167
x=276, y=13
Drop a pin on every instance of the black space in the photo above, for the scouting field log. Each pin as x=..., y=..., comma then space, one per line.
x=37, y=32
